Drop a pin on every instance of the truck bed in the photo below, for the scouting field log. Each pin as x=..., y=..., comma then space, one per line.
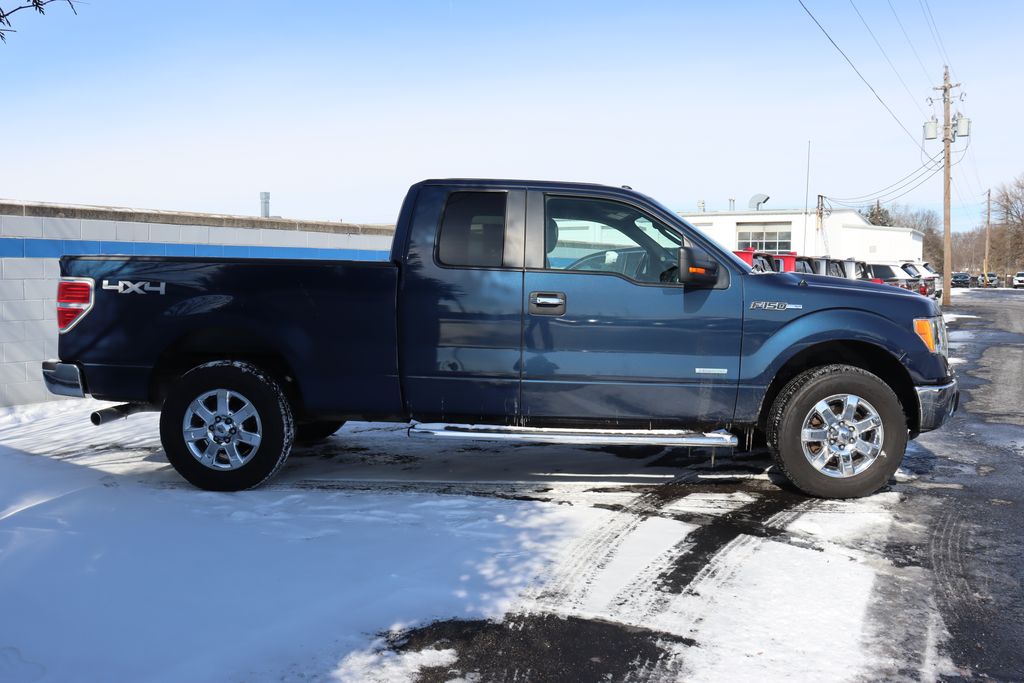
x=331, y=324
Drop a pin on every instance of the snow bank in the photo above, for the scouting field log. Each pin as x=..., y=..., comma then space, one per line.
x=953, y=317
x=112, y=569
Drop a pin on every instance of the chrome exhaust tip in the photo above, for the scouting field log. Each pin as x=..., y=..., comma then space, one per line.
x=112, y=413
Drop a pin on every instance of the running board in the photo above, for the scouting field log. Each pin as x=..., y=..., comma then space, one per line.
x=600, y=437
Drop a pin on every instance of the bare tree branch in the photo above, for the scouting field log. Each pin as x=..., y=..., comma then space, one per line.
x=37, y=5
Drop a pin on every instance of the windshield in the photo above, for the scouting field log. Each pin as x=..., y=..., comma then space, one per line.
x=911, y=270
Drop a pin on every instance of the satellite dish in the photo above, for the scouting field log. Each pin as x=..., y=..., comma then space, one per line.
x=756, y=201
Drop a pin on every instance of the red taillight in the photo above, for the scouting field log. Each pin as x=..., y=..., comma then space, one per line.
x=923, y=289
x=74, y=299
x=878, y=280
x=73, y=292
x=66, y=316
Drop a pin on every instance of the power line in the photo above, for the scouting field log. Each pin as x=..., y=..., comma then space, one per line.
x=888, y=200
x=926, y=10
x=974, y=163
x=884, y=54
x=857, y=71
x=927, y=166
x=906, y=35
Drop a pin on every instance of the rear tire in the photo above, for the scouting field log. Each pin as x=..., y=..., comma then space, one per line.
x=312, y=432
x=835, y=456
x=226, y=426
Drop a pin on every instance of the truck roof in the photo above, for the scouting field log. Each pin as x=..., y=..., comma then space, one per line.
x=510, y=182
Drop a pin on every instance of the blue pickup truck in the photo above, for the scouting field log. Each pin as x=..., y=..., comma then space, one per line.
x=521, y=310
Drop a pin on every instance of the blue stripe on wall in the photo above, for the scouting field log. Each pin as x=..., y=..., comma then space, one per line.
x=27, y=247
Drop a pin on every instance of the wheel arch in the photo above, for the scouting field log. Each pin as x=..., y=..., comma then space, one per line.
x=214, y=343
x=864, y=355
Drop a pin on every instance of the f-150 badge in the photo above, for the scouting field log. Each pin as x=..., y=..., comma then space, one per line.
x=126, y=287
x=772, y=306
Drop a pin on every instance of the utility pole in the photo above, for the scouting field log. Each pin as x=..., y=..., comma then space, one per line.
x=947, y=141
x=819, y=225
x=988, y=229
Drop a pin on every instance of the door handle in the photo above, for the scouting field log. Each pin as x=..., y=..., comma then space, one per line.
x=547, y=303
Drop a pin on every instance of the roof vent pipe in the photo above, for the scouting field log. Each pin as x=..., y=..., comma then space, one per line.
x=757, y=201
x=264, y=204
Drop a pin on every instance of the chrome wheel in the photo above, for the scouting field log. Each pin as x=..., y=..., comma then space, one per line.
x=222, y=429
x=842, y=435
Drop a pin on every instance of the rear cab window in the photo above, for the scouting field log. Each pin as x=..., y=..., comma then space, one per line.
x=473, y=230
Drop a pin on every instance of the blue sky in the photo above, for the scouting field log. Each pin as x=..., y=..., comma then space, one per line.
x=335, y=107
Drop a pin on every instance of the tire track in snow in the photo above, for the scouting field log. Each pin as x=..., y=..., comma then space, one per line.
x=574, y=578
x=703, y=554
x=665, y=573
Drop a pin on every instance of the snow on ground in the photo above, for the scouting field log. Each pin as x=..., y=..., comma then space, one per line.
x=953, y=317
x=111, y=568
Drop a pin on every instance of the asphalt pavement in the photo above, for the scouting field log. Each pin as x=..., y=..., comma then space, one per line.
x=976, y=542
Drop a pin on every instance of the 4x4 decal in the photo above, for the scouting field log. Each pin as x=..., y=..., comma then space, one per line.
x=141, y=287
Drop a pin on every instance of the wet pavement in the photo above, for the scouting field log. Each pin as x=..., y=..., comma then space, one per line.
x=976, y=544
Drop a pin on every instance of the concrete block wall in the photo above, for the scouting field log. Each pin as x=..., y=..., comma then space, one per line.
x=30, y=246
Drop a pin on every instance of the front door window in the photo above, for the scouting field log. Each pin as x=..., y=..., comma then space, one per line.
x=598, y=235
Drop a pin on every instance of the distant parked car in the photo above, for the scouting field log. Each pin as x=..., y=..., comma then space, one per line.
x=835, y=268
x=862, y=271
x=990, y=280
x=927, y=268
x=960, y=280
x=925, y=279
x=1018, y=280
x=785, y=262
x=804, y=264
x=759, y=261
x=892, y=274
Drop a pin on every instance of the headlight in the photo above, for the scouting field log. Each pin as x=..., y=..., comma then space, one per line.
x=932, y=332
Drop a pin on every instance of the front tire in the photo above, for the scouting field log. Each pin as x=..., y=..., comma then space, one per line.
x=226, y=426
x=837, y=431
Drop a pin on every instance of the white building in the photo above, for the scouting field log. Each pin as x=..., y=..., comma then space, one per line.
x=844, y=234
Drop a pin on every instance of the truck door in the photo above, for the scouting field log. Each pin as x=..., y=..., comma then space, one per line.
x=613, y=338
x=459, y=304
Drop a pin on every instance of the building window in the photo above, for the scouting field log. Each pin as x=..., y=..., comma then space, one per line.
x=774, y=238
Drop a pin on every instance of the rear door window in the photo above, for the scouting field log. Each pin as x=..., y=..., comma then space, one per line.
x=473, y=230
